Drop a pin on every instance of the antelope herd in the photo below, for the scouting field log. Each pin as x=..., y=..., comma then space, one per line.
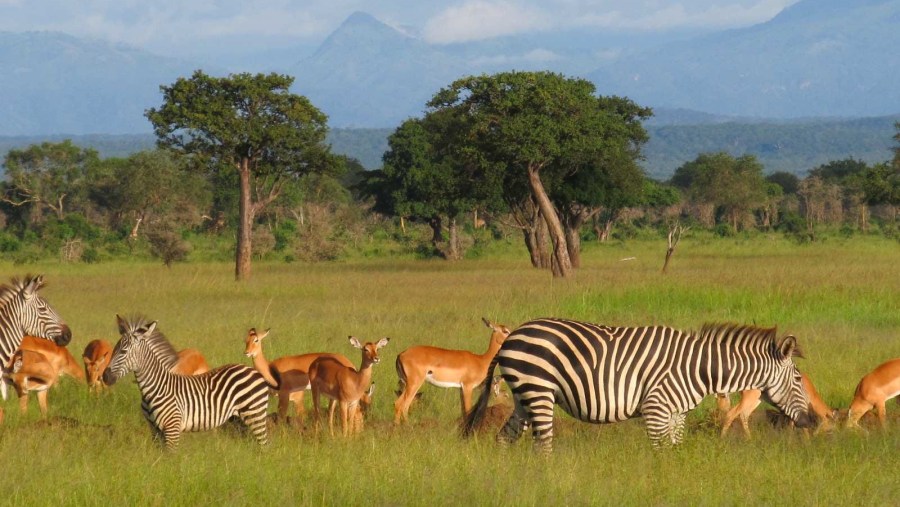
x=37, y=363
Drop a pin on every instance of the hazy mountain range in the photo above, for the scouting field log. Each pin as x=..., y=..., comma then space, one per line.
x=832, y=58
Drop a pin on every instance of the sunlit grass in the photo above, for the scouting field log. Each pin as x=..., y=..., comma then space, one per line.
x=841, y=298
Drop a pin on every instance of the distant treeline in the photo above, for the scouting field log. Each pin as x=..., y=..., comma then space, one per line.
x=794, y=147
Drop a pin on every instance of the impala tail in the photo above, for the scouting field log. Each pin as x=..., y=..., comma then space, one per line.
x=473, y=418
x=401, y=376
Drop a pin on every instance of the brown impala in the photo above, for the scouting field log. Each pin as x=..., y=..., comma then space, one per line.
x=444, y=368
x=344, y=384
x=96, y=358
x=750, y=399
x=190, y=362
x=59, y=357
x=31, y=371
x=882, y=384
x=288, y=369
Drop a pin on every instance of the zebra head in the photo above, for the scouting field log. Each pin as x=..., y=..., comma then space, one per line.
x=124, y=359
x=785, y=389
x=26, y=310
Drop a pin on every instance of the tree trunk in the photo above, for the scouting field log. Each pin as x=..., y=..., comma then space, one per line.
x=245, y=224
x=573, y=222
x=436, y=233
x=563, y=264
x=453, y=252
x=542, y=242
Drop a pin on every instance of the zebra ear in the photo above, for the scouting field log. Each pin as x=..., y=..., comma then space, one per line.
x=32, y=286
x=789, y=347
x=149, y=330
x=120, y=322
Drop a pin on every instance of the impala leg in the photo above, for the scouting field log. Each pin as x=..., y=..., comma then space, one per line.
x=315, y=396
x=881, y=411
x=299, y=408
x=23, y=402
x=345, y=419
x=465, y=394
x=857, y=409
x=42, y=402
x=401, y=406
x=334, y=404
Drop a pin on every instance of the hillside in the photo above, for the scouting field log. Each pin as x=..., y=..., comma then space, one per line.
x=816, y=58
x=795, y=147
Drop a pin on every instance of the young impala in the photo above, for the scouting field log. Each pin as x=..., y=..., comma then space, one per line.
x=285, y=367
x=342, y=383
x=750, y=399
x=882, y=384
x=59, y=357
x=96, y=358
x=444, y=368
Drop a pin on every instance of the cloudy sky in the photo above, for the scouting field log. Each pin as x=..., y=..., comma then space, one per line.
x=170, y=26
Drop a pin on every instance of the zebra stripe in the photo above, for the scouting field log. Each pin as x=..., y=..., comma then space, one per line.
x=174, y=403
x=23, y=311
x=603, y=374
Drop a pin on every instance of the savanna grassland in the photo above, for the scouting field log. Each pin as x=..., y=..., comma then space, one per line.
x=840, y=297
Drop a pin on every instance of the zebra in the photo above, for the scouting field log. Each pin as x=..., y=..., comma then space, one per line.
x=174, y=403
x=24, y=312
x=602, y=374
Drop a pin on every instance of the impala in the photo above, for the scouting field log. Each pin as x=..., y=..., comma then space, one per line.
x=342, y=383
x=444, y=368
x=750, y=399
x=31, y=371
x=882, y=384
x=190, y=362
x=96, y=358
x=59, y=357
x=284, y=367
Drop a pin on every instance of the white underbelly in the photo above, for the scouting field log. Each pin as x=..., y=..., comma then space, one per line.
x=431, y=380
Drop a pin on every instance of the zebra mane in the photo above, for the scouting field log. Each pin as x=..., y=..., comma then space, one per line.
x=730, y=331
x=159, y=345
x=10, y=291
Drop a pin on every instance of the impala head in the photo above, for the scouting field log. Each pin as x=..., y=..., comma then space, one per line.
x=369, y=350
x=133, y=333
x=35, y=316
x=254, y=342
x=785, y=389
x=500, y=332
x=94, y=367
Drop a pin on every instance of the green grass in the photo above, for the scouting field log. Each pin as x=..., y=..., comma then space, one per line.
x=841, y=298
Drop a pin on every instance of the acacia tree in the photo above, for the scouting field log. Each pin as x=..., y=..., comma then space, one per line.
x=421, y=178
x=536, y=127
x=735, y=185
x=249, y=124
x=48, y=177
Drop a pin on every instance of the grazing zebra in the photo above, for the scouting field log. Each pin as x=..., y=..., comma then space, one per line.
x=24, y=312
x=602, y=374
x=174, y=403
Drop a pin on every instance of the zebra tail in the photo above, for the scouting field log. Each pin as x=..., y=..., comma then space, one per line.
x=474, y=417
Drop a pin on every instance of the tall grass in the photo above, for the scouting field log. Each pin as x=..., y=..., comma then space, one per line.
x=841, y=298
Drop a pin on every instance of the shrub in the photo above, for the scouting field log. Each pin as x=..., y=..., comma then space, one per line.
x=167, y=245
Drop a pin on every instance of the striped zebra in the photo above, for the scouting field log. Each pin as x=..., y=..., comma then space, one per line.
x=24, y=312
x=602, y=374
x=174, y=403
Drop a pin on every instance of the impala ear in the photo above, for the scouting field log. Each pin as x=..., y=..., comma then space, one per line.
x=354, y=342
x=487, y=323
x=382, y=342
x=505, y=330
x=265, y=333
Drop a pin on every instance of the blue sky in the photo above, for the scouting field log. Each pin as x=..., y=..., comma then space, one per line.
x=171, y=27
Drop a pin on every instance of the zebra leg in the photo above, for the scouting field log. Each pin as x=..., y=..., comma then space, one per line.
x=513, y=428
x=665, y=425
x=255, y=419
x=172, y=433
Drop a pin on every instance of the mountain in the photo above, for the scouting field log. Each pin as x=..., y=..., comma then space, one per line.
x=367, y=74
x=55, y=83
x=816, y=58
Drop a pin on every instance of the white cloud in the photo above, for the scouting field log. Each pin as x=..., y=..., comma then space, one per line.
x=479, y=19
x=650, y=16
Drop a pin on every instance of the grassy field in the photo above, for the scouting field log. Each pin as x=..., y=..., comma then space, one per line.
x=840, y=297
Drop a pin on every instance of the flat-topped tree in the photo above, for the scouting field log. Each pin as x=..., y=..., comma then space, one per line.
x=247, y=123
